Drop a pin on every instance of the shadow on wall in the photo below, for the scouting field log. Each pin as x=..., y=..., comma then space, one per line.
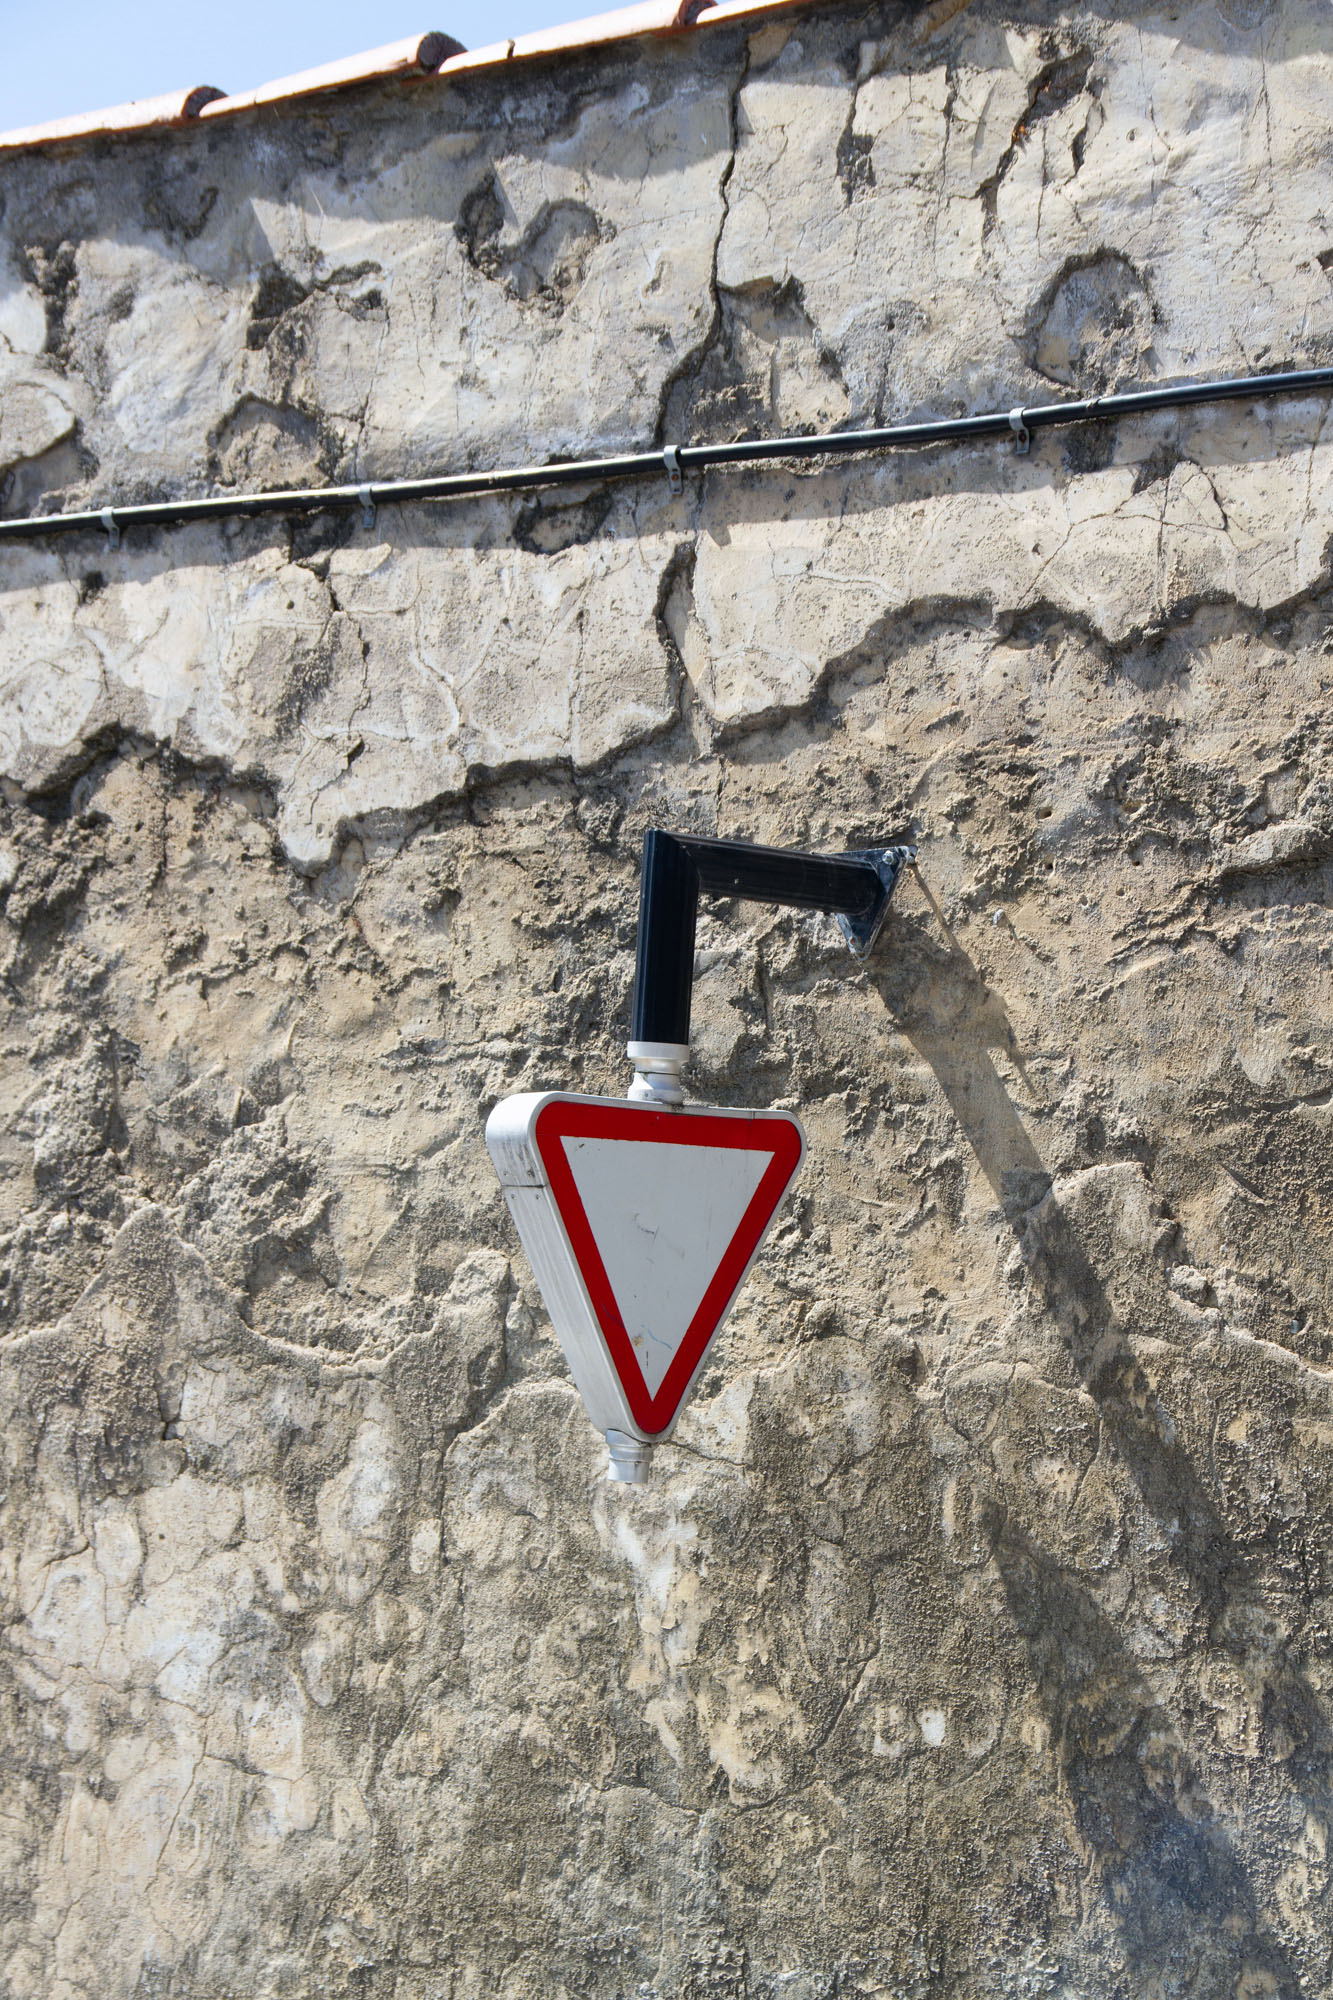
x=953, y=1019
x=1178, y=1892
x=1170, y=1875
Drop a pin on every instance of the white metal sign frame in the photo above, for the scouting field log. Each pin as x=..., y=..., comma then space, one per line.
x=640, y=1225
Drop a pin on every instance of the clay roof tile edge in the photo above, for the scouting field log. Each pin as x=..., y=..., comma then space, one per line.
x=419, y=56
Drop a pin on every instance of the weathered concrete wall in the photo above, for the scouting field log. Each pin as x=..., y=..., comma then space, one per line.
x=974, y=1637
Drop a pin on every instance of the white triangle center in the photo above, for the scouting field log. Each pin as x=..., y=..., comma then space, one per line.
x=662, y=1217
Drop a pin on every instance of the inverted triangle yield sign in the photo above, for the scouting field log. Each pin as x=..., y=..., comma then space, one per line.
x=640, y=1225
x=664, y=1212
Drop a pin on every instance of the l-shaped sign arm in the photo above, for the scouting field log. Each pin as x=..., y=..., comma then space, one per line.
x=677, y=868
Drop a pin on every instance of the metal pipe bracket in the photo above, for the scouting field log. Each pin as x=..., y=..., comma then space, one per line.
x=888, y=863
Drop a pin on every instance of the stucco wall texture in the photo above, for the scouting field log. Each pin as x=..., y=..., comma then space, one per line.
x=975, y=1636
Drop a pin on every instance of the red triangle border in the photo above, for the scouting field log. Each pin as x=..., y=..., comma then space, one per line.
x=572, y=1119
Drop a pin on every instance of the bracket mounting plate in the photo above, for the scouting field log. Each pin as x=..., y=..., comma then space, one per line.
x=888, y=863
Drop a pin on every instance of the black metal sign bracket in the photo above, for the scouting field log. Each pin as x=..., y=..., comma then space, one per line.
x=677, y=868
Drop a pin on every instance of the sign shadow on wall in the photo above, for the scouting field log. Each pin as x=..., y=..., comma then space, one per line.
x=1171, y=1875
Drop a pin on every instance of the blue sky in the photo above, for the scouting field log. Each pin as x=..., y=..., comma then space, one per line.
x=58, y=57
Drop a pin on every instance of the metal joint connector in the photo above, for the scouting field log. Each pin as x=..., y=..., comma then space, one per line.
x=657, y=1068
x=1022, y=435
x=112, y=526
x=671, y=460
x=629, y=1458
x=367, y=499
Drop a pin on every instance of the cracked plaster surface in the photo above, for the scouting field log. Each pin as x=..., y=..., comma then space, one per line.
x=973, y=1636
x=807, y=227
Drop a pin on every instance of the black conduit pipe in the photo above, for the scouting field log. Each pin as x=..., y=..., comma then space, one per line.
x=674, y=460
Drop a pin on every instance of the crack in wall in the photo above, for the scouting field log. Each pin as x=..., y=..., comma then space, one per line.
x=1060, y=80
x=690, y=363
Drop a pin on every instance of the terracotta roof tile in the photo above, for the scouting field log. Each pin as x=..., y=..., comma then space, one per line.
x=175, y=107
x=651, y=17
x=489, y=57
x=418, y=57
